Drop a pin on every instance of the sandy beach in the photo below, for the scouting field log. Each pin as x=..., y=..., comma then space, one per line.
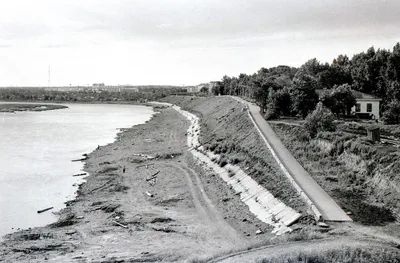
x=145, y=200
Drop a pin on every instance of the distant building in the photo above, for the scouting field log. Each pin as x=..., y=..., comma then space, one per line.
x=198, y=88
x=366, y=105
x=195, y=89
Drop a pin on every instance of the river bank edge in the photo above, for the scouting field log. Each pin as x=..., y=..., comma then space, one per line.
x=14, y=107
x=83, y=174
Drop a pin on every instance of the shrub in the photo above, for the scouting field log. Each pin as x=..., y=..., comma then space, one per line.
x=279, y=103
x=340, y=100
x=392, y=114
x=223, y=161
x=321, y=119
x=303, y=93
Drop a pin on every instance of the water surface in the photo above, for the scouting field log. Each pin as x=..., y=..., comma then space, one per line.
x=36, y=149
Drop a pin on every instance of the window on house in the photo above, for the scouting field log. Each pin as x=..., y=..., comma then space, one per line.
x=369, y=107
x=358, y=107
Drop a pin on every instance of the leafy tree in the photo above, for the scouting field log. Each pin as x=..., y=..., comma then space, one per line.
x=204, y=90
x=303, y=93
x=279, y=104
x=340, y=100
x=218, y=89
x=321, y=119
x=392, y=114
x=311, y=67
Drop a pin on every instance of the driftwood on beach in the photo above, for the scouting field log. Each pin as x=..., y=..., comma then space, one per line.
x=44, y=210
x=80, y=160
x=81, y=174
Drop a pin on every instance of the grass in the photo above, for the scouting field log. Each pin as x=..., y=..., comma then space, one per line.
x=359, y=175
x=338, y=255
x=306, y=234
x=228, y=131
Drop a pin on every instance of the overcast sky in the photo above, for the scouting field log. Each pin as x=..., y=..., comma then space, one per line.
x=181, y=41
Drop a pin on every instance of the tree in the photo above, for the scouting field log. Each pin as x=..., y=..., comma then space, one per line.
x=321, y=119
x=218, y=89
x=279, y=104
x=340, y=100
x=392, y=114
x=303, y=95
x=311, y=67
x=204, y=89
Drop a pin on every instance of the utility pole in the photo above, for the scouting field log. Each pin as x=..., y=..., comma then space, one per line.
x=48, y=81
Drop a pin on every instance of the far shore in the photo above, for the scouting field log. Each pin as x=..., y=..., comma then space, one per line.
x=48, y=102
x=13, y=107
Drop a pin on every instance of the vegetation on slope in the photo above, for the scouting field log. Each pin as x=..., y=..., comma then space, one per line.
x=338, y=255
x=226, y=129
x=361, y=176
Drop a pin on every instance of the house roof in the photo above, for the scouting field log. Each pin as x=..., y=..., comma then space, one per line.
x=357, y=94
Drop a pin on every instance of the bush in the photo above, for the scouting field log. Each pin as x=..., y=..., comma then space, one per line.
x=392, y=114
x=223, y=161
x=340, y=100
x=279, y=104
x=321, y=119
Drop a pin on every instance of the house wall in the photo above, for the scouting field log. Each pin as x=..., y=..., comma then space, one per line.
x=193, y=89
x=363, y=107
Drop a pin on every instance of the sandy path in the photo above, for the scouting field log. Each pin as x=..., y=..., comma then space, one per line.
x=206, y=208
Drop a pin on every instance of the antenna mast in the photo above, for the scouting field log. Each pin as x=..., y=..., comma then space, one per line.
x=48, y=83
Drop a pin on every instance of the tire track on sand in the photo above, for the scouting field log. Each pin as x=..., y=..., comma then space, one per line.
x=204, y=205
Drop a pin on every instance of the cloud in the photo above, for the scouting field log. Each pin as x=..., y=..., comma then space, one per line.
x=178, y=20
x=183, y=40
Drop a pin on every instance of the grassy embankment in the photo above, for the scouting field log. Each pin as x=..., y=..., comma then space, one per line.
x=227, y=130
x=29, y=107
x=361, y=176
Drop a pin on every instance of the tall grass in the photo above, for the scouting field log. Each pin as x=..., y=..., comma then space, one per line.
x=338, y=255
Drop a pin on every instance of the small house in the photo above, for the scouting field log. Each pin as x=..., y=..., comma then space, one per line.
x=367, y=106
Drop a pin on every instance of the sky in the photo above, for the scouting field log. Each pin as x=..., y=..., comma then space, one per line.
x=180, y=42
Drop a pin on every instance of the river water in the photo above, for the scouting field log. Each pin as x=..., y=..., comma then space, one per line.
x=36, y=149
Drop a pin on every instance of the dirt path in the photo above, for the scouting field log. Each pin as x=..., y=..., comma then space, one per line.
x=329, y=209
x=206, y=208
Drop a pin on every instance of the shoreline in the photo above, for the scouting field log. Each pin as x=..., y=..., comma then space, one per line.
x=14, y=107
x=47, y=102
x=172, y=211
x=80, y=174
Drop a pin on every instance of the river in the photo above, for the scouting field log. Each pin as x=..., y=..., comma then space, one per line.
x=36, y=149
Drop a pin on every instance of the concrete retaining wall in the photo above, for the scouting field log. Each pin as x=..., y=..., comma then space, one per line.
x=313, y=209
x=260, y=202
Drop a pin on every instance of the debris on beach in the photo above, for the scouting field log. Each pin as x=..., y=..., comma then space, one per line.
x=44, y=210
x=119, y=224
x=80, y=160
x=81, y=174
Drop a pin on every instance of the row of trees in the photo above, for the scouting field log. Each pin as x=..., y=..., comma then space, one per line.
x=286, y=90
x=86, y=95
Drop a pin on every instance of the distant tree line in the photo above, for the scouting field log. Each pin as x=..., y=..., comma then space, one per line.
x=87, y=95
x=289, y=91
